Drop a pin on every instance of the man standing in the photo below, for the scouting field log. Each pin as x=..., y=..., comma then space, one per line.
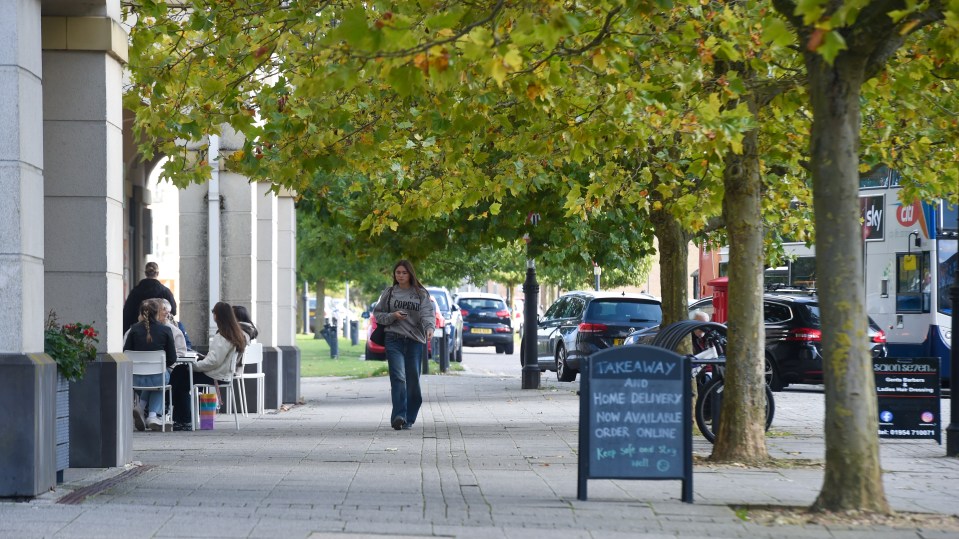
x=148, y=288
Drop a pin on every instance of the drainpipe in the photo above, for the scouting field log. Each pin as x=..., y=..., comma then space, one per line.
x=213, y=216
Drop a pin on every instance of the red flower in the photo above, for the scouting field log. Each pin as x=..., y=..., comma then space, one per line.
x=90, y=332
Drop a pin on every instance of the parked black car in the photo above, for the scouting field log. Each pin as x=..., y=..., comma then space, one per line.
x=580, y=323
x=793, y=338
x=486, y=321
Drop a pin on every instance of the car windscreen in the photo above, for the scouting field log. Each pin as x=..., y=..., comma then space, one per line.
x=624, y=311
x=440, y=300
x=471, y=304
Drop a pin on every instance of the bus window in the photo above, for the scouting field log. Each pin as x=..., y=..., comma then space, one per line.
x=913, y=282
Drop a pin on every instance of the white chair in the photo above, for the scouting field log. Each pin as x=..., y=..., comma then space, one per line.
x=148, y=364
x=252, y=357
x=229, y=397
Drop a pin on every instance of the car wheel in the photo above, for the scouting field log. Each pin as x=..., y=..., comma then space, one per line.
x=508, y=349
x=773, y=380
x=563, y=372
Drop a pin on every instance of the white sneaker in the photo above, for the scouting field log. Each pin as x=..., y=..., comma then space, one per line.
x=155, y=424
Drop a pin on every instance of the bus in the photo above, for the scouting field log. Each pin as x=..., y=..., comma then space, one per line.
x=909, y=257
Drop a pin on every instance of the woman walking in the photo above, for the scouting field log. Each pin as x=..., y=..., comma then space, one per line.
x=406, y=314
x=216, y=366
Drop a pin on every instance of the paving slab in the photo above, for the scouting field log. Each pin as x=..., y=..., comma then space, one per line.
x=485, y=459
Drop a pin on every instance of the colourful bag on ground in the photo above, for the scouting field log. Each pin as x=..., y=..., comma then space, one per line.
x=207, y=410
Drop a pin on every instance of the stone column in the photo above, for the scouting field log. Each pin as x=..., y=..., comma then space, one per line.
x=266, y=290
x=27, y=377
x=83, y=59
x=193, y=304
x=286, y=298
x=238, y=227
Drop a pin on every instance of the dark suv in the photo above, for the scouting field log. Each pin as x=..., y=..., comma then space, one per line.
x=793, y=338
x=486, y=321
x=580, y=323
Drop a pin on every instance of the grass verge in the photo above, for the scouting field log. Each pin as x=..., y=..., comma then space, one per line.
x=315, y=360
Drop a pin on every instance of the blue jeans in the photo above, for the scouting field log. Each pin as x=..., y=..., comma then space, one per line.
x=403, y=355
x=153, y=399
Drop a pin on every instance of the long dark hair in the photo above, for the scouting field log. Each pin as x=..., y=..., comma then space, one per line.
x=148, y=311
x=246, y=323
x=227, y=326
x=414, y=282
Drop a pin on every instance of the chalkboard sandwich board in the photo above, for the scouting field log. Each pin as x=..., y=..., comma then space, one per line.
x=634, y=420
x=908, y=392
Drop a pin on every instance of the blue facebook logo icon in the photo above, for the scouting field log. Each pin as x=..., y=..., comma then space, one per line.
x=885, y=416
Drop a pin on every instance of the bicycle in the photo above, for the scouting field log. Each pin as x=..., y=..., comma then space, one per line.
x=709, y=399
x=709, y=366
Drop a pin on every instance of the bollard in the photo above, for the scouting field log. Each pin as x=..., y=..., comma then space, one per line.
x=354, y=332
x=445, y=350
x=329, y=333
x=346, y=328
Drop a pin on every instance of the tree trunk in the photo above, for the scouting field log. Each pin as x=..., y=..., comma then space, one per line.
x=853, y=477
x=673, y=257
x=742, y=428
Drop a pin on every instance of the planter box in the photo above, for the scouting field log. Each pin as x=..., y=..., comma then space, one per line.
x=101, y=425
x=63, y=426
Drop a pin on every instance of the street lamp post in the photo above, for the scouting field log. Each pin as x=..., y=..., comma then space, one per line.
x=597, y=271
x=952, y=431
x=531, y=374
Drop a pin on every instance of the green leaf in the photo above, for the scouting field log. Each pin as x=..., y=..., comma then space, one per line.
x=832, y=44
x=353, y=28
x=776, y=32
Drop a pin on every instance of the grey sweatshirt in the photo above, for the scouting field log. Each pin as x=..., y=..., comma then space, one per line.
x=421, y=321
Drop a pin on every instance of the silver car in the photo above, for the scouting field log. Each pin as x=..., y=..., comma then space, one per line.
x=454, y=321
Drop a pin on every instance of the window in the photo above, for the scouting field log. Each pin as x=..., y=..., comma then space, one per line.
x=555, y=309
x=574, y=308
x=775, y=313
x=913, y=282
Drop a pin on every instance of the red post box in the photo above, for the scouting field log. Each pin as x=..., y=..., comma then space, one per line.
x=720, y=298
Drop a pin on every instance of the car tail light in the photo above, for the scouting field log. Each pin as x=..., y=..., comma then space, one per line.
x=586, y=327
x=502, y=314
x=464, y=312
x=502, y=330
x=880, y=337
x=804, y=334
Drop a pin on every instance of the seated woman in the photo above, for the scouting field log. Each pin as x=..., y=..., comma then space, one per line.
x=216, y=366
x=150, y=334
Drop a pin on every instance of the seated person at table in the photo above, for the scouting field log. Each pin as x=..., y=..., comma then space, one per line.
x=147, y=335
x=164, y=316
x=216, y=366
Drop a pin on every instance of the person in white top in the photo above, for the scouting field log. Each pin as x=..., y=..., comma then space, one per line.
x=216, y=366
x=166, y=318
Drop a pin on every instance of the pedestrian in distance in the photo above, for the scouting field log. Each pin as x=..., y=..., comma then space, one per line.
x=406, y=314
x=149, y=335
x=148, y=288
x=217, y=366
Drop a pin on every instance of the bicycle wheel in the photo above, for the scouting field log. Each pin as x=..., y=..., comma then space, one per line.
x=708, y=404
x=708, y=401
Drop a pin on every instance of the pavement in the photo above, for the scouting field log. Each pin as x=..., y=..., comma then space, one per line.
x=485, y=459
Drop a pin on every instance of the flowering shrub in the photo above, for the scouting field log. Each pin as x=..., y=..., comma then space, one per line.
x=72, y=346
